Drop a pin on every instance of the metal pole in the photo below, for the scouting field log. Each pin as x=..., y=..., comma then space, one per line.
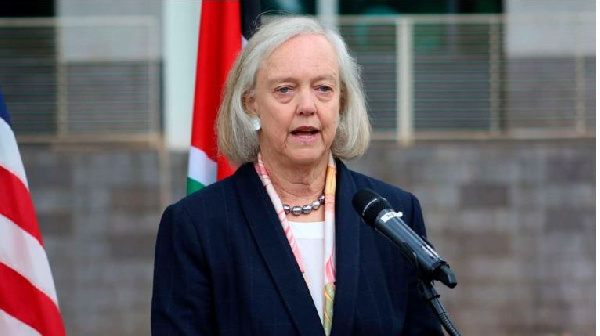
x=404, y=82
x=494, y=78
x=62, y=82
x=579, y=81
x=153, y=41
x=328, y=13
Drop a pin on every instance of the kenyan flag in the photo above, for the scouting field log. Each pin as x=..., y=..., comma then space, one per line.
x=224, y=25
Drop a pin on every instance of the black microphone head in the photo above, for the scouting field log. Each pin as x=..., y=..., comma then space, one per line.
x=368, y=204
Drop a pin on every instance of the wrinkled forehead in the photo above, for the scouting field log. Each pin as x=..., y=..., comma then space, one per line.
x=308, y=52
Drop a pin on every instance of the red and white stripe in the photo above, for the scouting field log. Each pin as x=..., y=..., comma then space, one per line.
x=219, y=42
x=28, y=300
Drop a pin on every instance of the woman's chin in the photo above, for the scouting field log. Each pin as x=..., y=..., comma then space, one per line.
x=308, y=157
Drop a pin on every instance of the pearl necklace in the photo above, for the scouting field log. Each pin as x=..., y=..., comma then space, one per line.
x=298, y=210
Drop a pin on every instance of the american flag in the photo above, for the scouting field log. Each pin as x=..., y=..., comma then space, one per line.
x=28, y=301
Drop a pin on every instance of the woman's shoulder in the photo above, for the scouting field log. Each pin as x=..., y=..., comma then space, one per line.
x=384, y=189
x=400, y=199
x=214, y=197
x=210, y=193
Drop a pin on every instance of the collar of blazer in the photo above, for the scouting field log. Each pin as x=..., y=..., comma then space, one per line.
x=275, y=250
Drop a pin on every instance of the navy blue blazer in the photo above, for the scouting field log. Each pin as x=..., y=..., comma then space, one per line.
x=223, y=266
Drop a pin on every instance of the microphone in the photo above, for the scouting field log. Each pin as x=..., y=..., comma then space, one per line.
x=377, y=212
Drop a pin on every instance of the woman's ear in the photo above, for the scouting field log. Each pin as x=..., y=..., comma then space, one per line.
x=249, y=101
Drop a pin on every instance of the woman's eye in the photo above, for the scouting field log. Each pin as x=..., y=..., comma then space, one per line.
x=324, y=88
x=283, y=89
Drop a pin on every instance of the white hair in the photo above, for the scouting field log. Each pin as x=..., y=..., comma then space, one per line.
x=237, y=139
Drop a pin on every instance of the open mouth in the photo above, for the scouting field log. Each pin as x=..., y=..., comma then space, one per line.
x=305, y=131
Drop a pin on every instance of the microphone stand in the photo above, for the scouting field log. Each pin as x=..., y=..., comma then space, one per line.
x=429, y=293
x=443, y=274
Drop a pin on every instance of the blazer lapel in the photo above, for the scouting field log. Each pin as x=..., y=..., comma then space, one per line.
x=347, y=253
x=276, y=251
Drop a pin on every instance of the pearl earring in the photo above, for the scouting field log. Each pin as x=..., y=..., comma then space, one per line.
x=255, y=123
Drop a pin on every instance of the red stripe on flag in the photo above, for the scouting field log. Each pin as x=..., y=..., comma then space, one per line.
x=16, y=204
x=19, y=298
x=219, y=42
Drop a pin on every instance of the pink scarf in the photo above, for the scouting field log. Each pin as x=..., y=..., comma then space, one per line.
x=329, y=262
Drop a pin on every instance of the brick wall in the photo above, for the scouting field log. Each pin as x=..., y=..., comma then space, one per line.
x=515, y=220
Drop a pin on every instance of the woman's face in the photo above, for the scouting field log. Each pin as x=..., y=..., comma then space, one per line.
x=297, y=98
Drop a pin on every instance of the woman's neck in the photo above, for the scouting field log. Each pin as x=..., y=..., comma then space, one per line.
x=296, y=184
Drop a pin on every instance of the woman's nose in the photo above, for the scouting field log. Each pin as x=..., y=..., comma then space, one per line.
x=307, y=104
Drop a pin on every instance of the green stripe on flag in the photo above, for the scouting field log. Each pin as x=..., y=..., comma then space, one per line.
x=193, y=185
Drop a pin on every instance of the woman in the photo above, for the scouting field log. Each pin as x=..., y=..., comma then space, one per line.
x=277, y=248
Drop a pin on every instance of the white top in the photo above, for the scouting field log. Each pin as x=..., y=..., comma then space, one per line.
x=310, y=237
